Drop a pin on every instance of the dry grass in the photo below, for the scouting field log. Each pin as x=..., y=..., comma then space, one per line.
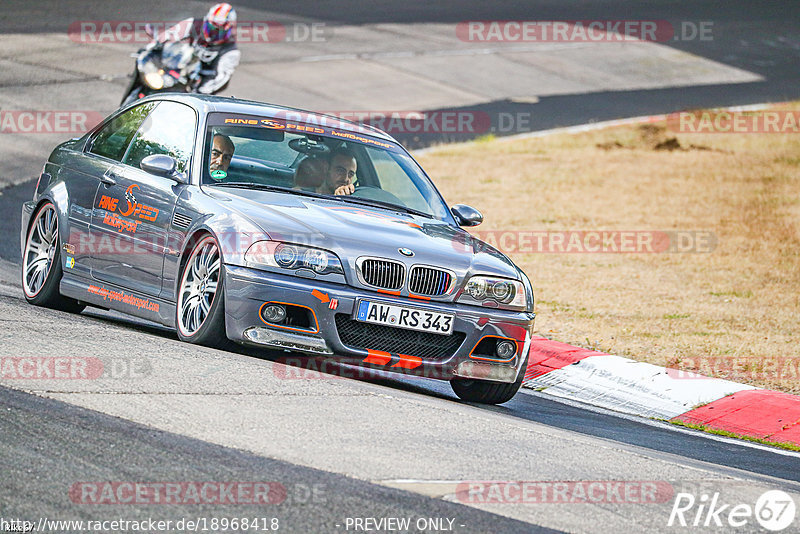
x=732, y=313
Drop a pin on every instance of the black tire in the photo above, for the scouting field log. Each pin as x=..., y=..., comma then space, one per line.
x=41, y=276
x=211, y=329
x=487, y=392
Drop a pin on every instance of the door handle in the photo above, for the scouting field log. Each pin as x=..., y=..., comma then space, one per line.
x=108, y=178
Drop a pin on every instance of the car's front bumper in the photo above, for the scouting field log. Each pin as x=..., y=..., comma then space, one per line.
x=247, y=290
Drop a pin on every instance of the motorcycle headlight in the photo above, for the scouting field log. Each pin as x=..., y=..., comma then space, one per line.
x=154, y=80
x=507, y=294
x=291, y=256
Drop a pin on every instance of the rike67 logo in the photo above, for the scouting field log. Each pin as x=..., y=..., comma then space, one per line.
x=774, y=511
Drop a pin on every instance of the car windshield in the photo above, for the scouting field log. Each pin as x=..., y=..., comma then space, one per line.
x=246, y=150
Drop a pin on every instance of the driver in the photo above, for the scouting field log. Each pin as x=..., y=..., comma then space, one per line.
x=222, y=149
x=341, y=173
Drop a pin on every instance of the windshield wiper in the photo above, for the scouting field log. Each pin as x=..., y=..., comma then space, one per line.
x=380, y=203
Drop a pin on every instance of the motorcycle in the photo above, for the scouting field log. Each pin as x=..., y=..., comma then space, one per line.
x=171, y=66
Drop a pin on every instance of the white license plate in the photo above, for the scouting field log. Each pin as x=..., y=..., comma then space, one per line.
x=403, y=317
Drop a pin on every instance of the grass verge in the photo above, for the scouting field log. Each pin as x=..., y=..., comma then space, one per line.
x=704, y=428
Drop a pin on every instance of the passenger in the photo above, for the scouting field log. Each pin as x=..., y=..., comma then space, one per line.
x=310, y=173
x=222, y=149
x=341, y=173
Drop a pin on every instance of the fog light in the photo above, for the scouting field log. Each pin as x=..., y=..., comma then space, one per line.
x=506, y=349
x=274, y=313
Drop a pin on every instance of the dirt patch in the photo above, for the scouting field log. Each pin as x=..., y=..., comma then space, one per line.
x=648, y=136
x=668, y=144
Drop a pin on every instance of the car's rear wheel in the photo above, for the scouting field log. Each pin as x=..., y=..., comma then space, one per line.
x=486, y=392
x=41, y=263
x=200, y=312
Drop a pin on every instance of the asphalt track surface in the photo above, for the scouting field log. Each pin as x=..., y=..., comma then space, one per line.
x=746, y=36
x=206, y=415
x=53, y=442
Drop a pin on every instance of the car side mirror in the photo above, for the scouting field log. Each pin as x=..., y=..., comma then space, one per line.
x=466, y=215
x=161, y=165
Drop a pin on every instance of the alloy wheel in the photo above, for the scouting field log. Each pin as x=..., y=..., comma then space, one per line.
x=40, y=250
x=199, y=286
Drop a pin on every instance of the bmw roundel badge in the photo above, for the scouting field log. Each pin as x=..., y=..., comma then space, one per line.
x=406, y=251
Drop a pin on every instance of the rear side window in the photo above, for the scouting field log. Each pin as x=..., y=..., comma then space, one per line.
x=170, y=130
x=112, y=140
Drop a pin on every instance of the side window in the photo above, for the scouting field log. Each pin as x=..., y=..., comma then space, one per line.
x=112, y=140
x=169, y=130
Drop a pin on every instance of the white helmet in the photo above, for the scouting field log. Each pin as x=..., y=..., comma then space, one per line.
x=218, y=24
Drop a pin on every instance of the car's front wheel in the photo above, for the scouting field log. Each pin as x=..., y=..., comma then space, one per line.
x=200, y=312
x=486, y=392
x=41, y=263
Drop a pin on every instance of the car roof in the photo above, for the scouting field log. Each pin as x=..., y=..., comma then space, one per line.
x=226, y=104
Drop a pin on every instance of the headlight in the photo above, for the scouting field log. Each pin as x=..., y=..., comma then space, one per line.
x=154, y=80
x=285, y=256
x=508, y=294
x=476, y=287
x=291, y=256
x=316, y=259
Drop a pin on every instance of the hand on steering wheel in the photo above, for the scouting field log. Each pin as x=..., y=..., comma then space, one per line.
x=345, y=189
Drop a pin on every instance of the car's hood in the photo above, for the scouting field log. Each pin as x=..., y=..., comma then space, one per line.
x=353, y=230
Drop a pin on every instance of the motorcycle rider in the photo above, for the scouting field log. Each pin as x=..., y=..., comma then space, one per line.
x=215, y=45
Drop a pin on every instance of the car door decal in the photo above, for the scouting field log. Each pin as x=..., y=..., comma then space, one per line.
x=132, y=208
